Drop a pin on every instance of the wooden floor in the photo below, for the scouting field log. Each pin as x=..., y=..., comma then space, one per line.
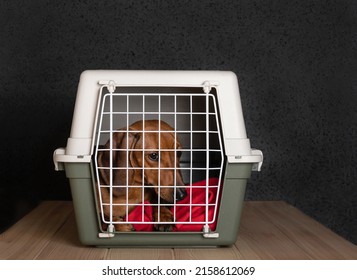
x=269, y=230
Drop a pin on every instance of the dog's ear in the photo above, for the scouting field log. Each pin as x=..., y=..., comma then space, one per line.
x=121, y=142
x=134, y=156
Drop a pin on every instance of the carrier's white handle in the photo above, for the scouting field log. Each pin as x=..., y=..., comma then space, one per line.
x=256, y=157
x=59, y=157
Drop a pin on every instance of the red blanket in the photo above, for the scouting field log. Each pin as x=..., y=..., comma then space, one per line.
x=194, y=205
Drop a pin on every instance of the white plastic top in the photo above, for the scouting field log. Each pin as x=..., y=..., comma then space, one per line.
x=235, y=139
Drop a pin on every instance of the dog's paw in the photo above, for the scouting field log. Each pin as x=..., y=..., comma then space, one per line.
x=124, y=227
x=165, y=220
x=164, y=227
x=119, y=227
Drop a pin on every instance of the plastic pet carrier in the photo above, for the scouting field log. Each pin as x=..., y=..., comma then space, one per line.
x=158, y=158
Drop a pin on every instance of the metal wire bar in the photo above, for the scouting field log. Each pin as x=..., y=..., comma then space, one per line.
x=193, y=169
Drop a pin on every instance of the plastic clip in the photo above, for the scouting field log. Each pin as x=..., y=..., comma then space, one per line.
x=111, y=86
x=207, y=86
x=208, y=234
x=108, y=234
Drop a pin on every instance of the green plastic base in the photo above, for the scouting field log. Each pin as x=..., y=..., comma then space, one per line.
x=82, y=184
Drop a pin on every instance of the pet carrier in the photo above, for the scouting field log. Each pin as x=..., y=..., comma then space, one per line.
x=158, y=158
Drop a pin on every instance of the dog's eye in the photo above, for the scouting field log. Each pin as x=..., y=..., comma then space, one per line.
x=154, y=156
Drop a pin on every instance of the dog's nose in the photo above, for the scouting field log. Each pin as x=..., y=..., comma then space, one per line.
x=181, y=193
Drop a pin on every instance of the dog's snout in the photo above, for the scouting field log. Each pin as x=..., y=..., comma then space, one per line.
x=181, y=193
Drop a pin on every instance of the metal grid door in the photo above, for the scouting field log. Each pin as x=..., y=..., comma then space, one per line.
x=189, y=117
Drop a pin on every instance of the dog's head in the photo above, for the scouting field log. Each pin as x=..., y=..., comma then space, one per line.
x=147, y=153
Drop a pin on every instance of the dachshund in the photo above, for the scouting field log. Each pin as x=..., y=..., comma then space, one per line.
x=142, y=170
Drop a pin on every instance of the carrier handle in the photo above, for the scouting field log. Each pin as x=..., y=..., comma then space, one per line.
x=256, y=157
x=59, y=157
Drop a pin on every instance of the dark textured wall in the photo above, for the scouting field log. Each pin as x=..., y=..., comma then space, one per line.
x=295, y=60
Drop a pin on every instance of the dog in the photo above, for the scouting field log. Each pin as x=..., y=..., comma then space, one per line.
x=137, y=177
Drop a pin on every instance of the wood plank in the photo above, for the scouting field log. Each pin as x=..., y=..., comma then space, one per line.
x=65, y=245
x=27, y=238
x=219, y=253
x=259, y=238
x=140, y=254
x=315, y=239
x=244, y=249
x=269, y=230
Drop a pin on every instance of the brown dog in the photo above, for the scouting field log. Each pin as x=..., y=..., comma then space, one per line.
x=137, y=177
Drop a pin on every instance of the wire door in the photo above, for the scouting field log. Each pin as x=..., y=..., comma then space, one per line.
x=157, y=151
